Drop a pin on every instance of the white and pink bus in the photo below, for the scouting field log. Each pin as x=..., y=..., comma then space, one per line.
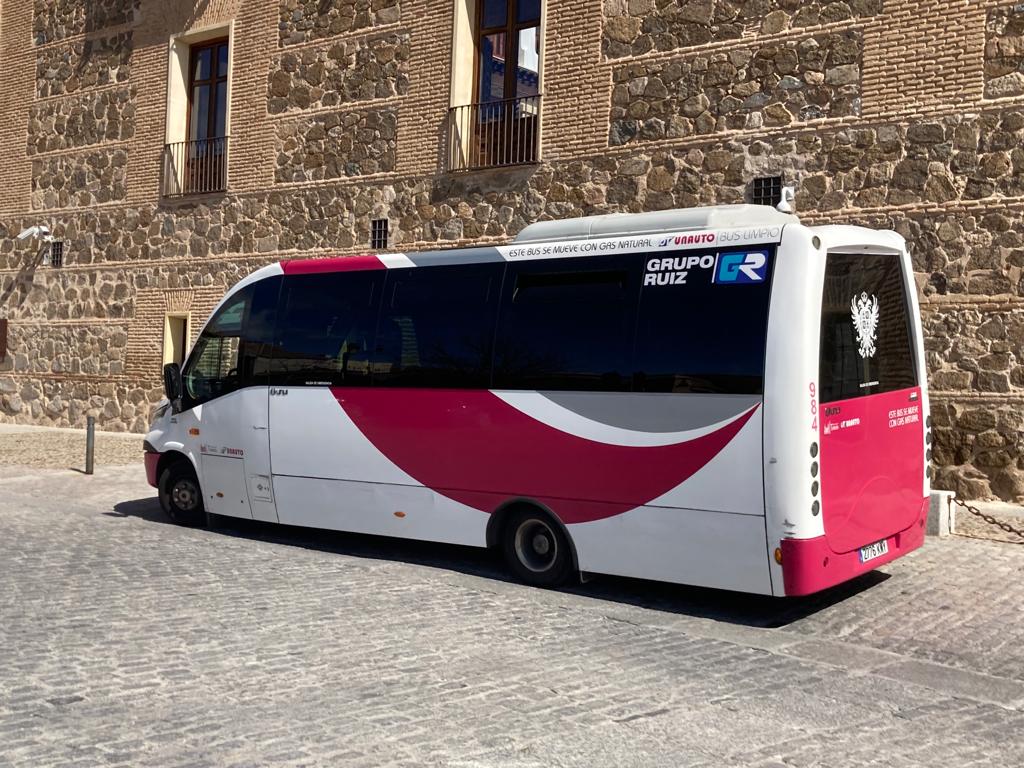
x=719, y=396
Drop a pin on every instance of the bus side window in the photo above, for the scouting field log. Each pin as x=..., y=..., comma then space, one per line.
x=325, y=331
x=258, y=338
x=213, y=369
x=437, y=327
x=699, y=336
x=567, y=326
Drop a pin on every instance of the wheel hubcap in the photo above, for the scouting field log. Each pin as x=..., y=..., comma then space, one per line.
x=536, y=545
x=185, y=495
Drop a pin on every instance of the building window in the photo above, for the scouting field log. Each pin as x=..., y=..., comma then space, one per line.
x=195, y=158
x=766, y=190
x=379, y=234
x=500, y=125
x=55, y=257
x=175, y=338
x=508, y=47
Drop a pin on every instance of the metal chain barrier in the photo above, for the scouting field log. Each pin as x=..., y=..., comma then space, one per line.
x=988, y=518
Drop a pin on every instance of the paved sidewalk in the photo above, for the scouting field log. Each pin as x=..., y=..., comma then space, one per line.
x=58, y=448
x=1011, y=515
x=130, y=641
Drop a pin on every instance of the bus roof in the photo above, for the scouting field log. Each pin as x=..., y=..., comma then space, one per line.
x=620, y=232
x=678, y=220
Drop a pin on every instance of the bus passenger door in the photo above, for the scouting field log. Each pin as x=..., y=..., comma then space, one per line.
x=225, y=399
x=235, y=455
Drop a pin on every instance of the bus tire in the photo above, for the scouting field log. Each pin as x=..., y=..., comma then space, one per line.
x=535, y=549
x=180, y=495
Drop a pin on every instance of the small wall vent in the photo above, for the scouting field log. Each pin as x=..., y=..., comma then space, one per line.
x=766, y=190
x=379, y=234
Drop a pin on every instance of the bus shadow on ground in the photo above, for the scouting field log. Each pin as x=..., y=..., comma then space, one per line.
x=720, y=605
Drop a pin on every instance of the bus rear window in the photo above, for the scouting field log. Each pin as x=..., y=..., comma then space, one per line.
x=866, y=346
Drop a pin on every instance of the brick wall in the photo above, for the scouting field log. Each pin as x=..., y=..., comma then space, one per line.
x=903, y=114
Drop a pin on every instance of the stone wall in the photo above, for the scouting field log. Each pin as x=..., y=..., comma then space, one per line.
x=347, y=71
x=771, y=84
x=95, y=349
x=636, y=27
x=1004, y=52
x=305, y=20
x=83, y=64
x=81, y=120
x=153, y=249
x=337, y=144
x=58, y=19
x=117, y=406
x=978, y=446
x=63, y=181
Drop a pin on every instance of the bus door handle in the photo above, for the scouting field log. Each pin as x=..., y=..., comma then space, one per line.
x=256, y=426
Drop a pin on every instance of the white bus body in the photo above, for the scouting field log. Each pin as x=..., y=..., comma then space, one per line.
x=719, y=397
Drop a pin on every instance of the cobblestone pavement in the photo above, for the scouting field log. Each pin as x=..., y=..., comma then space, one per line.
x=125, y=640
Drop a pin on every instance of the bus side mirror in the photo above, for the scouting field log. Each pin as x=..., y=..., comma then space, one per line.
x=172, y=382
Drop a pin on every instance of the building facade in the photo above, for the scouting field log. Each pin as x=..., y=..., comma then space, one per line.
x=172, y=147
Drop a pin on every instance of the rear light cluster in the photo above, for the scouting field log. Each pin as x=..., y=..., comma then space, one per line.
x=928, y=448
x=815, y=485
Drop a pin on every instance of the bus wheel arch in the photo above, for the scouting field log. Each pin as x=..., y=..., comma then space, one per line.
x=521, y=517
x=179, y=490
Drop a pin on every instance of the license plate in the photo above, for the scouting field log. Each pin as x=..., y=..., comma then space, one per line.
x=871, y=551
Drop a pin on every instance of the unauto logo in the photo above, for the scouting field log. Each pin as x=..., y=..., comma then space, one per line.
x=744, y=267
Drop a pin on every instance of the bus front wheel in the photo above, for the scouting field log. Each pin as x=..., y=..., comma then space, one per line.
x=180, y=497
x=536, y=549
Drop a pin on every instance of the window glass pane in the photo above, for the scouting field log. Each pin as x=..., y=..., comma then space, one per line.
x=528, y=70
x=258, y=339
x=437, y=327
x=495, y=13
x=222, y=60
x=203, y=64
x=228, y=321
x=220, y=109
x=326, y=330
x=528, y=11
x=213, y=368
x=567, y=330
x=866, y=347
x=199, y=128
x=492, y=67
x=703, y=324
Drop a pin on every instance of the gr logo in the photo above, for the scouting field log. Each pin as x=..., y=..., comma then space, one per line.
x=742, y=267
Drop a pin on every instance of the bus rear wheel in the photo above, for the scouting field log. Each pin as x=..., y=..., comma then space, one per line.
x=180, y=497
x=536, y=549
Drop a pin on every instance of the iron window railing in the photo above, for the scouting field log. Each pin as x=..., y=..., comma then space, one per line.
x=494, y=133
x=195, y=167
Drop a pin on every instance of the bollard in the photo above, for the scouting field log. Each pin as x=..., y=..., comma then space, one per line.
x=90, y=443
x=941, y=515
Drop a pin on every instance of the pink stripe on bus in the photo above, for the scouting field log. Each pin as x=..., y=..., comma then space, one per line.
x=334, y=264
x=461, y=442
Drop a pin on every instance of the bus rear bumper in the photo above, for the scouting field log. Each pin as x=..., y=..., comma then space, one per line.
x=810, y=565
x=152, y=460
